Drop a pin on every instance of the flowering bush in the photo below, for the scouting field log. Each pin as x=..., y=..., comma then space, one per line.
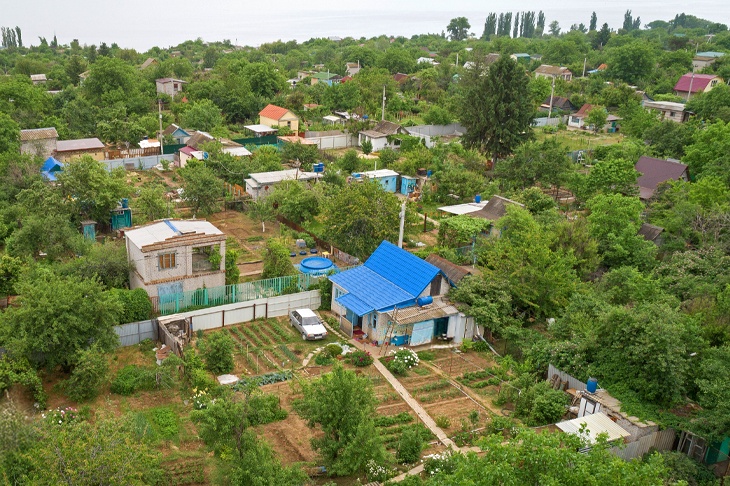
x=377, y=472
x=360, y=358
x=62, y=415
x=403, y=360
x=437, y=463
x=201, y=399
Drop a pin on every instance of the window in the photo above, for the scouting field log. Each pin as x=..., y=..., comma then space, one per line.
x=713, y=83
x=165, y=260
x=671, y=113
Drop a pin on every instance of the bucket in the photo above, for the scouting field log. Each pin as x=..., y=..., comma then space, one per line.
x=478, y=198
x=592, y=385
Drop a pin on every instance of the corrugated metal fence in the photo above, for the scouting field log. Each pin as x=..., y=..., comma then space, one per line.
x=137, y=163
x=136, y=332
x=572, y=382
x=661, y=441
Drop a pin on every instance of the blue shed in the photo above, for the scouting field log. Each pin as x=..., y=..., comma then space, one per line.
x=387, y=178
x=407, y=184
x=89, y=229
x=50, y=167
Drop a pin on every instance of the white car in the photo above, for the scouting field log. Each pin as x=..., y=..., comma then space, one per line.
x=308, y=324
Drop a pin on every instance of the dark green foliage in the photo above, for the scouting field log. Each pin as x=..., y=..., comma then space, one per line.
x=89, y=374
x=136, y=305
x=19, y=371
x=409, y=446
x=277, y=262
x=461, y=230
x=682, y=468
x=131, y=379
x=541, y=405
x=217, y=351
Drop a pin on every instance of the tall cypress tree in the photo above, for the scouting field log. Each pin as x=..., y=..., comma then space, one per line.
x=540, y=28
x=495, y=107
x=516, y=28
x=594, y=22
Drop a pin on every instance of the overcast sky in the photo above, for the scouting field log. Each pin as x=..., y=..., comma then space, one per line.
x=142, y=24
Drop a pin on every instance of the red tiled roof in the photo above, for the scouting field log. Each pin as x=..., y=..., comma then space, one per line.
x=274, y=112
x=400, y=77
x=583, y=111
x=346, y=79
x=699, y=83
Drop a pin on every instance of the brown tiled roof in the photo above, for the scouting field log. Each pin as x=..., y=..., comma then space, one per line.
x=198, y=138
x=452, y=271
x=400, y=77
x=583, y=111
x=495, y=208
x=170, y=129
x=654, y=172
x=38, y=134
x=552, y=70
x=650, y=232
x=274, y=112
x=386, y=127
x=150, y=61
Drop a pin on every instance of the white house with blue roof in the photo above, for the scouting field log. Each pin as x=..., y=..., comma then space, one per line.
x=397, y=297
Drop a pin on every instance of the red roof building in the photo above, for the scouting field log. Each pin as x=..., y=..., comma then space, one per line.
x=655, y=171
x=692, y=83
x=274, y=115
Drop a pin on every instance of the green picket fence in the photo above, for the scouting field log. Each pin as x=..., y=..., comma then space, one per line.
x=231, y=294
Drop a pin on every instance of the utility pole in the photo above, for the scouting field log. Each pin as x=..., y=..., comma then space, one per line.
x=691, y=80
x=585, y=60
x=552, y=92
x=383, y=111
x=402, y=223
x=159, y=115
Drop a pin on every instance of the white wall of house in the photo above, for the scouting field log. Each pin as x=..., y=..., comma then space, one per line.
x=378, y=143
x=147, y=273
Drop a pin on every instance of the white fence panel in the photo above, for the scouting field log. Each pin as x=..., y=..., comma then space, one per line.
x=208, y=321
x=238, y=316
x=137, y=163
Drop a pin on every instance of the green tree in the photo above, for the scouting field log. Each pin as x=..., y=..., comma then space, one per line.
x=233, y=273
x=92, y=190
x=593, y=23
x=119, y=457
x=59, y=317
x=614, y=222
x=277, y=262
x=632, y=62
x=495, y=107
x=343, y=404
x=534, y=162
x=487, y=300
x=597, y=118
x=202, y=190
x=112, y=81
x=9, y=134
x=202, y=115
x=218, y=353
x=712, y=105
x=303, y=154
x=540, y=404
x=295, y=200
x=709, y=152
x=11, y=269
x=461, y=230
x=261, y=210
x=458, y=28
x=89, y=374
x=610, y=176
x=367, y=147
x=151, y=202
x=358, y=217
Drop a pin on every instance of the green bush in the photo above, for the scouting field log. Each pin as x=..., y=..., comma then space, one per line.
x=333, y=349
x=132, y=378
x=426, y=355
x=409, y=446
x=264, y=409
x=323, y=359
x=540, y=405
x=165, y=422
x=480, y=346
x=396, y=367
x=443, y=421
x=136, y=305
x=218, y=353
x=88, y=376
x=199, y=379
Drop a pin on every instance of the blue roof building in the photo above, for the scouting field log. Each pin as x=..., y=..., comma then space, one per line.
x=396, y=297
x=49, y=169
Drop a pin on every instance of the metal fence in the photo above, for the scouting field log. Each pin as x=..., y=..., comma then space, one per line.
x=137, y=163
x=265, y=140
x=231, y=294
x=573, y=383
x=135, y=332
x=662, y=440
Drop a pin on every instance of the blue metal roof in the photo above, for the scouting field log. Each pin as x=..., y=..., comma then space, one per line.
x=51, y=165
x=354, y=304
x=402, y=268
x=390, y=277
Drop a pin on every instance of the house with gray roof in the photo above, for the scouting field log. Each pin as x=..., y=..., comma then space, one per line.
x=655, y=171
x=39, y=142
x=378, y=135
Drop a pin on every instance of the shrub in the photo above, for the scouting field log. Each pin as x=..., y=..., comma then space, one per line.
x=136, y=305
x=89, y=374
x=366, y=146
x=360, y=358
x=333, y=349
x=410, y=446
x=165, y=421
x=443, y=421
x=323, y=359
x=218, y=353
x=481, y=346
x=441, y=462
x=132, y=378
x=199, y=379
x=426, y=355
x=540, y=404
x=467, y=345
x=403, y=360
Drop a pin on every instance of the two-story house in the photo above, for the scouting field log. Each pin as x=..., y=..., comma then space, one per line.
x=174, y=256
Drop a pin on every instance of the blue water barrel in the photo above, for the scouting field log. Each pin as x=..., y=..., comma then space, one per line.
x=592, y=385
x=424, y=300
x=125, y=203
x=478, y=198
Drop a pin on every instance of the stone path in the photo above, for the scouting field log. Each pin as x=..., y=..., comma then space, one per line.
x=407, y=397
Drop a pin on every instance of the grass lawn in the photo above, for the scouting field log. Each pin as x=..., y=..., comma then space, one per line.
x=579, y=139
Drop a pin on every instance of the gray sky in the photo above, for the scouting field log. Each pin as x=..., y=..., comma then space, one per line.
x=144, y=24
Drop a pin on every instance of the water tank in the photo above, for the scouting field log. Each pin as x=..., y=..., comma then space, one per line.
x=478, y=198
x=424, y=300
x=592, y=385
x=125, y=203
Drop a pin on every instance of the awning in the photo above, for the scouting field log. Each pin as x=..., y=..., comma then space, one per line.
x=354, y=304
x=412, y=315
